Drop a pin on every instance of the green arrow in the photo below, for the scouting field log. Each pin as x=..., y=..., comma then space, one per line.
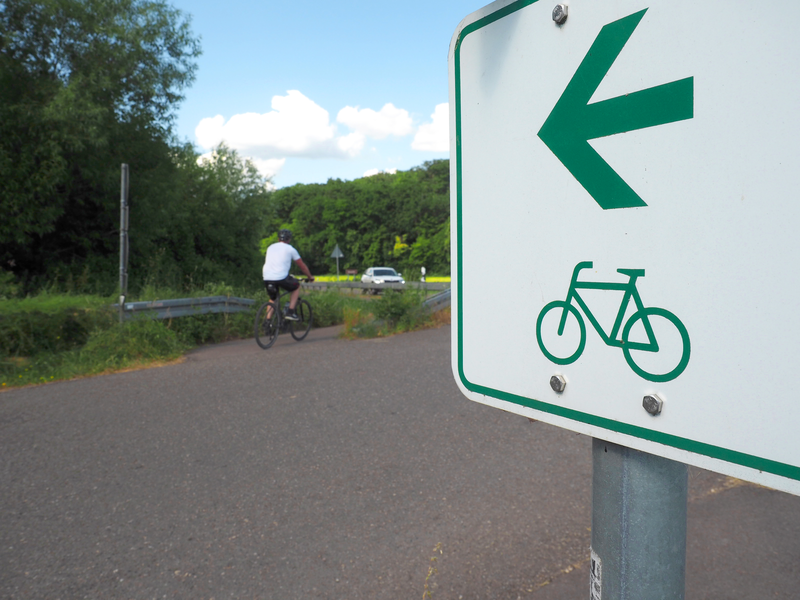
x=573, y=121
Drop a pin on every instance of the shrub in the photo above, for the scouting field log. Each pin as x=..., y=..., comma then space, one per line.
x=214, y=327
x=133, y=342
x=358, y=324
x=401, y=310
x=8, y=285
x=50, y=324
x=329, y=306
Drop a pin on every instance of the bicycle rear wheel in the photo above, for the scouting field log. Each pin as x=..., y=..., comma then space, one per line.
x=266, y=329
x=299, y=329
x=566, y=354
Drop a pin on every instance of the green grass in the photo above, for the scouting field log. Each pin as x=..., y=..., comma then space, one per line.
x=136, y=343
x=52, y=303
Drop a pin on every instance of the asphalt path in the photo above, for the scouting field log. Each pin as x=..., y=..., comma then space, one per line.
x=328, y=469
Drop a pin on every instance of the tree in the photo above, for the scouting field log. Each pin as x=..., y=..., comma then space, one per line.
x=216, y=222
x=84, y=86
x=399, y=220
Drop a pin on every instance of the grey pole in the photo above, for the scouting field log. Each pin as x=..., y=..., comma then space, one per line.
x=337, y=254
x=123, y=240
x=638, y=525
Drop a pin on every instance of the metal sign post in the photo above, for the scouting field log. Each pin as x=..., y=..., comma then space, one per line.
x=123, y=240
x=639, y=504
x=337, y=254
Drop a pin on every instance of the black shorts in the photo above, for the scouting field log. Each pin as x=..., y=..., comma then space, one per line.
x=289, y=284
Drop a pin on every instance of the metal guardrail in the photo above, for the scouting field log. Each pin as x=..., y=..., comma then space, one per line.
x=438, y=302
x=182, y=307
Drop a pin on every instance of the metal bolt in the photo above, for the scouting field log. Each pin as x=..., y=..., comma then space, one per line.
x=653, y=404
x=560, y=13
x=558, y=383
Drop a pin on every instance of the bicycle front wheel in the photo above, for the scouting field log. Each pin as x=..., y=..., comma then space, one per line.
x=266, y=329
x=299, y=329
x=561, y=344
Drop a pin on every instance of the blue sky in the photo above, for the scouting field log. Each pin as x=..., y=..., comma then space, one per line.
x=312, y=90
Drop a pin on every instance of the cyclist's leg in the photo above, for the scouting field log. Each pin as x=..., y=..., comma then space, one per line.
x=294, y=298
x=272, y=292
x=292, y=285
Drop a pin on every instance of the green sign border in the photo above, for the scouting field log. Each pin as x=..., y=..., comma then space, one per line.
x=695, y=447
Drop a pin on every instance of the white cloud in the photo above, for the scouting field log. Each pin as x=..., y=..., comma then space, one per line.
x=351, y=144
x=372, y=172
x=209, y=131
x=296, y=126
x=269, y=167
x=390, y=120
x=434, y=136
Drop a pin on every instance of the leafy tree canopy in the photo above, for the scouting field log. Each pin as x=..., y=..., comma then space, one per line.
x=85, y=85
x=400, y=220
x=77, y=78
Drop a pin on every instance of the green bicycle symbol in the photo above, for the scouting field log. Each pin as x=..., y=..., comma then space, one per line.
x=628, y=345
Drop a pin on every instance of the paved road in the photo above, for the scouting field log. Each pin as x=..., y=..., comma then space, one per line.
x=327, y=469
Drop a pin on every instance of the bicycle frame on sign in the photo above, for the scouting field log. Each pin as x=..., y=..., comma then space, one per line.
x=630, y=291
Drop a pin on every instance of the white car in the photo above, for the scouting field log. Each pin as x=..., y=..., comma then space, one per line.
x=381, y=275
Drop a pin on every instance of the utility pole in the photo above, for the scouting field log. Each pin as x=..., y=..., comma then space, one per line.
x=123, y=240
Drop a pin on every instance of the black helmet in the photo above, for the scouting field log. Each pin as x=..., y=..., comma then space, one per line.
x=285, y=235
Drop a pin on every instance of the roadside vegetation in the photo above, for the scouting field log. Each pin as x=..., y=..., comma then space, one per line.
x=72, y=112
x=54, y=337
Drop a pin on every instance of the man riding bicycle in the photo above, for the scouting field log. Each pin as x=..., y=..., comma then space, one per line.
x=276, y=271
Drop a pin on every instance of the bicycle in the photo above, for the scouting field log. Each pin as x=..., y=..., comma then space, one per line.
x=270, y=321
x=641, y=314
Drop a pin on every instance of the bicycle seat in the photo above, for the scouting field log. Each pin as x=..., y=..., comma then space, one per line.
x=632, y=272
x=272, y=288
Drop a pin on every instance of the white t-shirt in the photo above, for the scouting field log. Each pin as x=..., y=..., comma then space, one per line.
x=279, y=260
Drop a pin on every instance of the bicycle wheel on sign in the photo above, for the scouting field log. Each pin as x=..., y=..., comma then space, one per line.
x=266, y=329
x=561, y=344
x=668, y=345
x=299, y=329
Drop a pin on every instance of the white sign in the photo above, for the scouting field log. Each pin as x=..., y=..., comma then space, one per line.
x=625, y=215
